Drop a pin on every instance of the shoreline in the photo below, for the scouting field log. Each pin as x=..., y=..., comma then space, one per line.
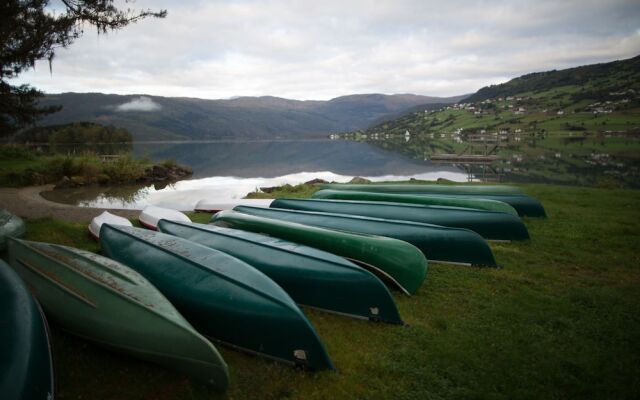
x=27, y=202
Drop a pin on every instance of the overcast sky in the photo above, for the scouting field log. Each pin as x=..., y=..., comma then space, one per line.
x=320, y=49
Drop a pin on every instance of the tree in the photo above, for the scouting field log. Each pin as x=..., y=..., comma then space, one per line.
x=30, y=30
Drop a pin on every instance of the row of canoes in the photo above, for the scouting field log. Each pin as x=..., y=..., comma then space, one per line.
x=162, y=296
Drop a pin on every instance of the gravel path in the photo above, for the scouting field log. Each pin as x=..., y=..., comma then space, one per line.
x=28, y=203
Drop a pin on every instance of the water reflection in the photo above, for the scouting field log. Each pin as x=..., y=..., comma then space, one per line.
x=225, y=171
x=584, y=159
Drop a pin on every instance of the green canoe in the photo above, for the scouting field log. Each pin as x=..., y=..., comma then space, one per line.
x=396, y=261
x=26, y=370
x=424, y=188
x=104, y=301
x=526, y=206
x=223, y=297
x=479, y=204
x=488, y=224
x=438, y=243
x=310, y=276
x=10, y=226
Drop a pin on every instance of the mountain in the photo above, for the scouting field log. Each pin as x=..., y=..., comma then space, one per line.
x=170, y=118
x=595, y=98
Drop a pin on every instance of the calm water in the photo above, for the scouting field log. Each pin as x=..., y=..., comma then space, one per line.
x=230, y=170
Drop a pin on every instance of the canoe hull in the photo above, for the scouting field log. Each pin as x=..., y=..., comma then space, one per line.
x=489, y=224
x=26, y=369
x=424, y=188
x=223, y=297
x=395, y=261
x=311, y=277
x=444, y=200
x=437, y=243
x=10, y=226
x=104, y=301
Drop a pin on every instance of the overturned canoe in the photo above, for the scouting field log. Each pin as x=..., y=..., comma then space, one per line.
x=206, y=205
x=10, y=226
x=438, y=243
x=106, y=302
x=444, y=200
x=526, y=206
x=26, y=370
x=396, y=261
x=150, y=216
x=310, y=276
x=424, y=188
x=106, y=218
x=223, y=297
x=489, y=224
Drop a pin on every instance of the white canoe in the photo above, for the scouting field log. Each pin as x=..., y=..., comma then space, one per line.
x=106, y=218
x=150, y=216
x=205, y=205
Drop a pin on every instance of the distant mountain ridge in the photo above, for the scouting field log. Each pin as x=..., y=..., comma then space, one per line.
x=181, y=118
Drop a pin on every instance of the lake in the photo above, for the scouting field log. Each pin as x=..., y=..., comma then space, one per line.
x=226, y=170
x=230, y=169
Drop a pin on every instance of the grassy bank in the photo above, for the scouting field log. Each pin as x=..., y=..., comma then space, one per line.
x=20, y=166
x=560, y=319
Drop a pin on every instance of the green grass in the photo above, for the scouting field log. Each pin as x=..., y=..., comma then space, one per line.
x=560, y=319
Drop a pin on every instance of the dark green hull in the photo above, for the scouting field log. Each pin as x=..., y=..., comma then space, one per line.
x=438, y=243
x=526, y=206
x=26, y=370
x=10, y=226
x=444, y=200
x=489, y=224
x=396, y=261
x=311, y=277
x=425, y=188
x=223, y=297
x=104, y=301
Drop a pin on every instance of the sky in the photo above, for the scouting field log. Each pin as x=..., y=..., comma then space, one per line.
x=321, y=49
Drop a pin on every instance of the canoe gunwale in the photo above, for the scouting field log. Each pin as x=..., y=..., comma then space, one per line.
x=381, y=272
x=209, y=270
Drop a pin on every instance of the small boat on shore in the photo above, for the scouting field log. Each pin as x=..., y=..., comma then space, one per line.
x=488, y=224
x=150, y=216
x=106, y=218
x=224, y=298
x=26, y=370
x=10, y=226
x=310, y=276
x=104, y=301
x=212, y=206
x=427, y=200
x=395, y=261
x=437, y=243
x=425, y=188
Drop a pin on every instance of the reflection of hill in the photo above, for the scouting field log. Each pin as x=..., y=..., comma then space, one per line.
x=270, y=159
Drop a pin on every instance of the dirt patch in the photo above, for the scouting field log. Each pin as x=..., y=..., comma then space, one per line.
x=28, y=203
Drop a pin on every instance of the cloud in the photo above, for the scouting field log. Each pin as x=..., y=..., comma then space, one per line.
x=142, y=103
x=320, y=50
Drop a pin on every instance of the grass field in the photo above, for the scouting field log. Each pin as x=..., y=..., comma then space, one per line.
x=560, y=319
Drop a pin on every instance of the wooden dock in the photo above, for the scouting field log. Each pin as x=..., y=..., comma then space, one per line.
x=465, y=158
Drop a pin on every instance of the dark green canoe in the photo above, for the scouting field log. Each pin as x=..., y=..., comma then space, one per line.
x=526, y=206
x=479, y=204
x=438, y=243
x=489, y=224
x=10, y=226
x=310, y=276
x=396, y=261
x=223, y=297
x=424, y=188
x=26, y=370
x=104, y=301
